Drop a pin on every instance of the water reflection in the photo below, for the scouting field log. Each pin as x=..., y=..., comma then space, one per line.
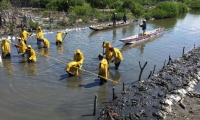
x=141, y=48
x=46, y=51
x=74, y=82
x=194, y=12
x=166, y=23
x=7, y=64
x=102, y=94
x=59, y=49
x=124, y=29
x=114, y=34
x=31, y=69
x=116, y=76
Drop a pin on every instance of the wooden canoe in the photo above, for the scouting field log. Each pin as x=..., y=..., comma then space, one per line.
x=140, y=38
x=108, y=26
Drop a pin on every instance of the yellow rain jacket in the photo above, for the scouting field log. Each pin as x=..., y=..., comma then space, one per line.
x=78, y=58
x=72, y=67
x=59, y=36
x=108, y=52
x=5, y=46
x=31, y=55
x=22, y=47
x=46, y=43
x=103, y=69
x=39, y=33
x=117, y=55
x=23, y=35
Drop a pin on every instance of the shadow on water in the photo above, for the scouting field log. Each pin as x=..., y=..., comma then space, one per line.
x=93, y=84
x=194, y=12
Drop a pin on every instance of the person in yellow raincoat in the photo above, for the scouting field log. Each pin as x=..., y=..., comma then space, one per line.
x=117, y=56
x=39, y=34
x=59, y=37
x=5, y=48
x=45, y=42
x=31, y=57
x=103, y=69
x=78, y=57
x=22, y=47
x=24, y=35
x=72, y=67
x=107, y=52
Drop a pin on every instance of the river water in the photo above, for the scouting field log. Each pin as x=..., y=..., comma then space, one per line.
x=44, y=91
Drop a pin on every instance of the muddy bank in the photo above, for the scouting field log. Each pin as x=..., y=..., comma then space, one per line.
x=155, y=97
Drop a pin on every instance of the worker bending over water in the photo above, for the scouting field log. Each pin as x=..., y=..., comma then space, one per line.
x=31, y=57
x=117, y=56
x=22, y=47
x=72, y=68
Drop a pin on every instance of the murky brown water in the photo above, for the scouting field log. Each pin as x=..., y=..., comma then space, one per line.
x=43, y=90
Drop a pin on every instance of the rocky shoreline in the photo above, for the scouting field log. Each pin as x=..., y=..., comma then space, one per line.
x=156, y=97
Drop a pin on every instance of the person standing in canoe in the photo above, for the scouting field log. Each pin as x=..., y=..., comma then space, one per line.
x=107, y=52
x=22, y=47
x=78, y=57
x=59, y=37
x=143, y=27
x=39, y=34
x=24, y=35
x=5, y=48
x=117, y=57
x=103, y=69
x=115, y=19
x=31, y=57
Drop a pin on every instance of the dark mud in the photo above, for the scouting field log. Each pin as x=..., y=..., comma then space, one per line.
x=155, y=97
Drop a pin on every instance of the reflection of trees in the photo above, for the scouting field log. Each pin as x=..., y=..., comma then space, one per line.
x=194, y=12
x=181, y=16
x=166, y=23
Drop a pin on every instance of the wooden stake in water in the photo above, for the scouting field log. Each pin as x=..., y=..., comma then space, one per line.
x=95, y=105
x=141, y=70
x=113, y=90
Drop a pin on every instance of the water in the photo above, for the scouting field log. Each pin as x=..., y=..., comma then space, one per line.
x=43, y=90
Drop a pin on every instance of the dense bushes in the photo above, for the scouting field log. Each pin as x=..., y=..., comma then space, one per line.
x=194, y=4
x=182, y=7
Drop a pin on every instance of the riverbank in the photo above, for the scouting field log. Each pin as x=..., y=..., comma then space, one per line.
x=159, y=96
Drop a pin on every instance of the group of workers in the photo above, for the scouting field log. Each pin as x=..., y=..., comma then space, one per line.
x=78, y=58
x=26, y=50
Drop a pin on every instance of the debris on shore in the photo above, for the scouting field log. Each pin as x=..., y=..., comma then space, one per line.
x=155, y=97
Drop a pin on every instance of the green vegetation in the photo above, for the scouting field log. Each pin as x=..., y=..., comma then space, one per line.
x=91, y=10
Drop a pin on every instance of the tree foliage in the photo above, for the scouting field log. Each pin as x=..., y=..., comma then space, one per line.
x=5, y=4
x=182, y=7
x=194, y=4
x=168, y=9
